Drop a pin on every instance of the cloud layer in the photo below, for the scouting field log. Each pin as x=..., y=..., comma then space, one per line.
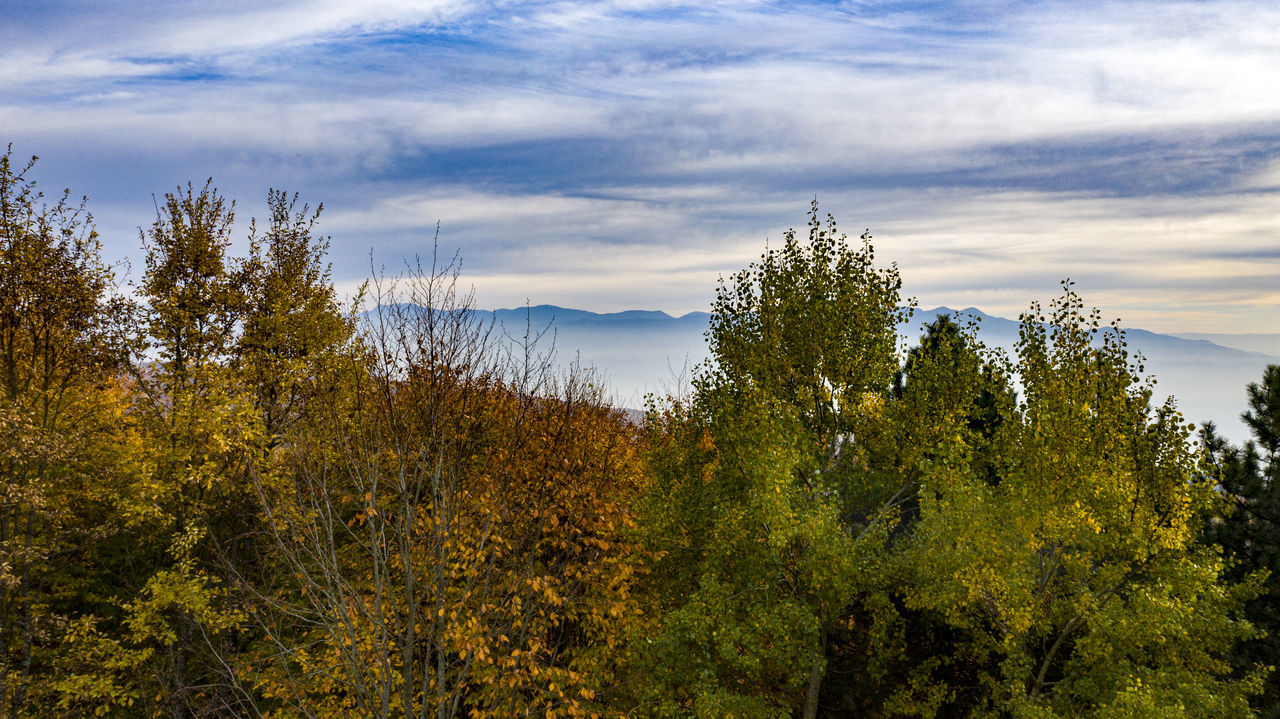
x=623, y=154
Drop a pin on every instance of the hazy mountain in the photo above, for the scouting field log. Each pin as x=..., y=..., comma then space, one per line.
x=645, y=351
x=1264, y=343
x=636, y=352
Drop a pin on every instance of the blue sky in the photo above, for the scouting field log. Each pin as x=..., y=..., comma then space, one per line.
x=619, y=155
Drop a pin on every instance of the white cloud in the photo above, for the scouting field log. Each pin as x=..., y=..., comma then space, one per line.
x=727, y=118
x=1155, y=264
x=102, y=45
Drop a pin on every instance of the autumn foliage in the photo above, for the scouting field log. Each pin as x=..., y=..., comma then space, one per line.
x=226, y=492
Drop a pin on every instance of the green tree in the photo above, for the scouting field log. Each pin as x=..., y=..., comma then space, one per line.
x=1263, y=416
x=1248, y=531
x=761, y=508
x=948, y=390
x=814, y=326
x=838, y=535
x=1076, y=582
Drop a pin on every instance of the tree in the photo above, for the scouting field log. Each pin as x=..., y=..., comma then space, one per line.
x=200, y=432
x=768, y=512
x=58, y=353
x=1248, y=527
x=1263, y=417
x=1076, y=581
x=454, y=519
x=940, y=545
x=813, y=325
x=949, y=389
x=291, y=320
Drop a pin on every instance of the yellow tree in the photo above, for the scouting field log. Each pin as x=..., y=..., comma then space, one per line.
x=453, y=520
x=199, y=429
x=59, y=404
x=1070, y=575
x=290, y=317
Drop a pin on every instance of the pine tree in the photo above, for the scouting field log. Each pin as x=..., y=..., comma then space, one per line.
x=1249, y=531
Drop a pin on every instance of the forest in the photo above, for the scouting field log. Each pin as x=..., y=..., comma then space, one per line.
x=230, y=492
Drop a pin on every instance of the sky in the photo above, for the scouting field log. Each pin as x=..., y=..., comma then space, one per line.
x=625, y=154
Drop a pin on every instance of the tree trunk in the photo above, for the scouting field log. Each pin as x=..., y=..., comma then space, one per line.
x=815, y=679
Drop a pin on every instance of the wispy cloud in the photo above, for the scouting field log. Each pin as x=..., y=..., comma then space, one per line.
x=617, y=154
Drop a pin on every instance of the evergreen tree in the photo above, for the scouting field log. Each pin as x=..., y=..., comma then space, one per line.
x=1263, y=416
x=1249, y=530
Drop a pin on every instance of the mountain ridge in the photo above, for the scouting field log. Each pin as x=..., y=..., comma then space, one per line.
x=558, y=316
x=649, y=351
x=640, y=352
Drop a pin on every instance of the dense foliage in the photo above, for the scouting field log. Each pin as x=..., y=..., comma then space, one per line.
x=1248, y=527
x=234, y=496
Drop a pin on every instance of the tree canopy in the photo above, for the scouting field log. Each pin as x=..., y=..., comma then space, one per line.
x=234, y=495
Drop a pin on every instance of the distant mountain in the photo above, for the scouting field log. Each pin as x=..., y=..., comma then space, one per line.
x=641, y=351
x=636, y=352
x=1264, y=343
x=541, y=315
x=564, y=319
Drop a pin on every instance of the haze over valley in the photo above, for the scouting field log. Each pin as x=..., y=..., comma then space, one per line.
x=642, y=351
